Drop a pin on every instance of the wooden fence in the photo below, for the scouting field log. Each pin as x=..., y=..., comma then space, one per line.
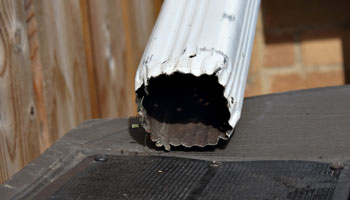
x=63, y=62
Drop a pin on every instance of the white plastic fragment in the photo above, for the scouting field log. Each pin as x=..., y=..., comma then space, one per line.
x=203, y=37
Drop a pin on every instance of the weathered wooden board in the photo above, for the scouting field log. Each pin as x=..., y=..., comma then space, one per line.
x=120, y=31
x=19, y=130
x=60, y=66
x=62, y=62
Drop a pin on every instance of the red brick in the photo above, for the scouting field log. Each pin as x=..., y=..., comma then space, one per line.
x=279, y=50
x=281, y=83
x=323, y=79
x=322, y=48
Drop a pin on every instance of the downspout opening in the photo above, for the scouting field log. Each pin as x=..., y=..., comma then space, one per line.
x=182, y=109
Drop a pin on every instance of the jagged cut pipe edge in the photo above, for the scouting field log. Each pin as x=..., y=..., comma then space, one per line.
x=214, y=63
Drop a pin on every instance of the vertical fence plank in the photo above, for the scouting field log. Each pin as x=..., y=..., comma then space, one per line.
x=109, y=52
x=89, y=59
x=60, y=65
x=120, y=31
x=138, y=25
x=19, y=130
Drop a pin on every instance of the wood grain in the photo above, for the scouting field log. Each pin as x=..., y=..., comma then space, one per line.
x=63, y=62
x=120, y=31
x=19, y=130
x=37, y=74
x=89, y=59
x=60, y=66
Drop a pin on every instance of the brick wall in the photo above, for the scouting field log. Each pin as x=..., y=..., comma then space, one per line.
x=300, y=44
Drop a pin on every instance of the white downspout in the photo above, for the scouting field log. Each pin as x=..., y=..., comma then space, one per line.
x=212, y=37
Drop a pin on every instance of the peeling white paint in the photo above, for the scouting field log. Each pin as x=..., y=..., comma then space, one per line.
x=203, y=37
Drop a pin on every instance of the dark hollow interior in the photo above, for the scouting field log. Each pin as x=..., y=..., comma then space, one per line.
x=185, y=98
